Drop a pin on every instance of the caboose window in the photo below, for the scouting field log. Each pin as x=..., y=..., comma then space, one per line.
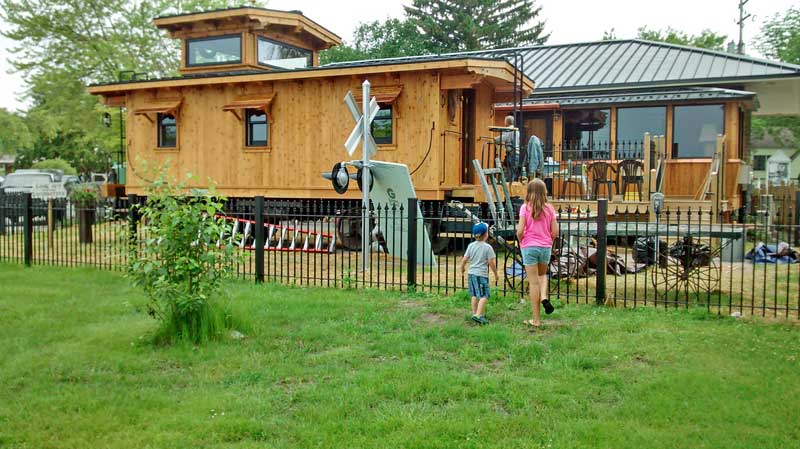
x=382, y=130
x=277, y=54
x=215, y=50
x=257, y=128
x=167, y=131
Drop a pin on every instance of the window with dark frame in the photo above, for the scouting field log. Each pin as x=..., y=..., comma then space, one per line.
x=256, y=128
x=760, y=162
x=215, y=50
x=695, y=130
x=382, y=126
x=167, y=131
x=279, y=54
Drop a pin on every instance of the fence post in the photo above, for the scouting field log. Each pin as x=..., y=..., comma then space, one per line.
x=28, y=229
x=259, y=235
x=797, y=217
x=602, y=251
x=411, y=255
x=133, y=219
x=3, y=206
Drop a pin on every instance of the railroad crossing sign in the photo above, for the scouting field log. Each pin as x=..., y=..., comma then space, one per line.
x=357, y=134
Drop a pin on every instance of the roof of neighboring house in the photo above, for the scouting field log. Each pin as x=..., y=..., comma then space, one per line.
x=653, y=95
x=637, y=63
x=7, y=159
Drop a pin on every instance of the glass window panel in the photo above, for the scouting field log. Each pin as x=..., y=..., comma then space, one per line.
x=282, y=55
x=220, y=50
x=632, y=123
x=760, y=163
x=167, y=131
x=257, y=128
x=382, y=126
x=587, y=134
x=695, y=130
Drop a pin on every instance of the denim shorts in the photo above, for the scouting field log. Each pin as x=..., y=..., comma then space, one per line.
x=535, y=255
x=478, y=286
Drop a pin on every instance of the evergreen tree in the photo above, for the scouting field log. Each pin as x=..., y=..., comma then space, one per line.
x=463, y=25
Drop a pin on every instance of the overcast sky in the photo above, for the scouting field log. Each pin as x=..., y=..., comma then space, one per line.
x=567, y=21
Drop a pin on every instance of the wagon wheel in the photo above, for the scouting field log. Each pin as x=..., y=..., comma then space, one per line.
x=689, y=268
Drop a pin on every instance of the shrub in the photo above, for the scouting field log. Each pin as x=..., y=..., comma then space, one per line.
x=181, y=265
x=84, y=195
x=56, y=164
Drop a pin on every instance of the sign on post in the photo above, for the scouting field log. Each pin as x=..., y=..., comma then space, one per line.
x=49, y=192
x=44, y=192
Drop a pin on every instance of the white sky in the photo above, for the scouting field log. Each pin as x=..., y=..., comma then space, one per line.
x=567, y=21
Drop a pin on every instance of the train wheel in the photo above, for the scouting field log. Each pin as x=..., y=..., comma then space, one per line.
x=348, y=232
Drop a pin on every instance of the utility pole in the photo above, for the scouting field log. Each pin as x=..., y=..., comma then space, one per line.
x=743, y=16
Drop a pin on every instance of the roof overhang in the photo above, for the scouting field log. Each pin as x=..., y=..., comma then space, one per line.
x=254, y=19
x=546, y=101
x=499, y=73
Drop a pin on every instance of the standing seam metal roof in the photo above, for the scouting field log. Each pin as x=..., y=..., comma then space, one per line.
x=632, y=63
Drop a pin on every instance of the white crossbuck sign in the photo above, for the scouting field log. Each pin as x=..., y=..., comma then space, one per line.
x=358, y=132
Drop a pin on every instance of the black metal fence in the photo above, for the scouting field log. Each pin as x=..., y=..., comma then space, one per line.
x=609, y=255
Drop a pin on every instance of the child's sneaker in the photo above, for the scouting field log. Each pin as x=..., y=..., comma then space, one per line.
x=482, y=320
x=548, y=306
x=476, y=319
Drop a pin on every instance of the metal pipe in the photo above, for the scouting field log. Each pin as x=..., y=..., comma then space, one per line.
x=365, y=180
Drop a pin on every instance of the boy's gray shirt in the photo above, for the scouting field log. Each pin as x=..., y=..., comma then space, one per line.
x=479, y=254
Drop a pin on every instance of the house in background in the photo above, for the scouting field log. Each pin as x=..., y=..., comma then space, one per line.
x=7, y=163
x=775, y=159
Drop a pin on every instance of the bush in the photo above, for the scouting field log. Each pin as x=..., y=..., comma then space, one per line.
x=56, y=164
x=181, y=266
x=84, y=195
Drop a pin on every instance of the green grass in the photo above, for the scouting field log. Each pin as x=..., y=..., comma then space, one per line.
x=336, y=369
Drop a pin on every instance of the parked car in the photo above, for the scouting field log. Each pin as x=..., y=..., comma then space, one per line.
x=23, y=181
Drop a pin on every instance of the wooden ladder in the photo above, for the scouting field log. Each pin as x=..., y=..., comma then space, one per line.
x=493, y=181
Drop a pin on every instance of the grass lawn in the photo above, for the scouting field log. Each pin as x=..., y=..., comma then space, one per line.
x=347, y=369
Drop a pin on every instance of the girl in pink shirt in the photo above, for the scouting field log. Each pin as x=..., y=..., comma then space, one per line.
x=536, y=231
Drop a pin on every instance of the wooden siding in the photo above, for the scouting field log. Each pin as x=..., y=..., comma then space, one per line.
x=306, y=137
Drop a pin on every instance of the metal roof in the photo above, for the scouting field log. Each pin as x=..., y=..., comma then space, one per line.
x=635, y=63
x=673, y=95
x=627, y=64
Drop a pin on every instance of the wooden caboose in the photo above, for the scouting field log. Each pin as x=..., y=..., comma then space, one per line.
x=255, y=113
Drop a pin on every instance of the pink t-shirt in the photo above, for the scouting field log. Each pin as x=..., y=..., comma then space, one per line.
x=537, y=231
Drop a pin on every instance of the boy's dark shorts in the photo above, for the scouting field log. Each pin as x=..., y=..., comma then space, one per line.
x=478, y=286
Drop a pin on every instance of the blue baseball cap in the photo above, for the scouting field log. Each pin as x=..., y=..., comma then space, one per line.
x=480, y=229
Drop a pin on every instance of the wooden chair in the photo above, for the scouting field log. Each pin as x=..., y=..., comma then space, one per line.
x=630, y=171
x=602, y=174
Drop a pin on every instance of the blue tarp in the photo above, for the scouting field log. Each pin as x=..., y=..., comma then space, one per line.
x=780, y=253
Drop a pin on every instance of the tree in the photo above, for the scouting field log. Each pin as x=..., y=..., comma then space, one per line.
x=706, y=39
x=14, y=133
x=56, y=164
x=392, y=38
x=780, y=37
x=61, y=46
x=609, y=35
x=465, y=25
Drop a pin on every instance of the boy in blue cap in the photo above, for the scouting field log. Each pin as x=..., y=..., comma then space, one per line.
x=481, y=258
